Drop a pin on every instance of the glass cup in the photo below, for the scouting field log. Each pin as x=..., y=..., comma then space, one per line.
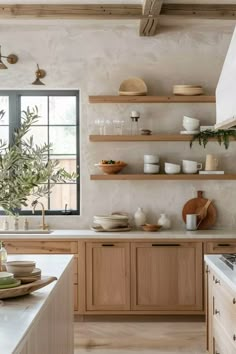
x=118, y=126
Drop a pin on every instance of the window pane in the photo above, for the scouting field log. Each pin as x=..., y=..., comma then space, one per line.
x=62, y=110
x=30, y=199
x=41, y=102
x=66, y=162
x=63, y=140
x=61, y=195
x=4, y=134
x=4, y=105
x=40, y=135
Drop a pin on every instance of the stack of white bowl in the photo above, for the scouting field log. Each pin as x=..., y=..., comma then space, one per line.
x=151, y=164
x=187, y=90
x=191, y=125
x=109, y=222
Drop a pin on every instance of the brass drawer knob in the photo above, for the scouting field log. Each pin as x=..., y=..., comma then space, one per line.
x=217, y=281
x=217, y=312
x=234, y=301
x=234, y=337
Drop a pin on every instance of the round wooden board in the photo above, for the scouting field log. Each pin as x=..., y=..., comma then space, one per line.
x=194, y=205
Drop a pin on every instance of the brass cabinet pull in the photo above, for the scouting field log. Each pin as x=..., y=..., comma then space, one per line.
x=223, y=245
x=234, y=337
x=217, y=281
x=217, y=312
x=234, y=301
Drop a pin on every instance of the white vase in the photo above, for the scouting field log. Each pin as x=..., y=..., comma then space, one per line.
x=164, y=222
x=139, y=218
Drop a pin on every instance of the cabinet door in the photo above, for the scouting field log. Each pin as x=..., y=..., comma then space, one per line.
x=108, y=276
x=166, y=276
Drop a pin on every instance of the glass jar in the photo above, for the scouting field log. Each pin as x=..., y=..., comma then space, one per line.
x=3, y=253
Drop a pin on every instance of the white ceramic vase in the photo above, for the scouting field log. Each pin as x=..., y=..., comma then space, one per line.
x=139, y=218
x=164, y=222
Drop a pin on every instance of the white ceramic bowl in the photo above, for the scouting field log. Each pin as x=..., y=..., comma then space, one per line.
x=151, y=159
x=111, y=221
x=191, y=126
x=191, y=120
x=20, y=267
x=151, y=168
x=171, y=168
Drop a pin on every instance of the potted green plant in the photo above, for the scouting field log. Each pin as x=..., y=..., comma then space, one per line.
x=25, y=168
x=221, y=135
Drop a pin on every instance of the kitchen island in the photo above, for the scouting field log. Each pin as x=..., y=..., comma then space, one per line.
x=41, y=322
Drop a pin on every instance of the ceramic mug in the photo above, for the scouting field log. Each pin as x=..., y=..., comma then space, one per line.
x=191, y=222
x=191, y=166
x=211, y=163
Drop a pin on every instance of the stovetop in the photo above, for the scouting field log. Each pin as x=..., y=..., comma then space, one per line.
x=229, y=260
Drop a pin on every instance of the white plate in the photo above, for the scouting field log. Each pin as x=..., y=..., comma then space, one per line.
x=189, y=132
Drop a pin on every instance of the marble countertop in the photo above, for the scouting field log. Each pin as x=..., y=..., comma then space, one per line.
x=227, y=274
x=18, y=315
x=89, y=234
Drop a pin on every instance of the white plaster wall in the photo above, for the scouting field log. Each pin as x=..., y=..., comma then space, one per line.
x=95, y=58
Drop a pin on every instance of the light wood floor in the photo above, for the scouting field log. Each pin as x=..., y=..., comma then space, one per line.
x=140, y=336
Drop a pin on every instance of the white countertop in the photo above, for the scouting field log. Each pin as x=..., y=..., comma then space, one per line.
x=85, y=234
x=17, y=315
x=228, y=275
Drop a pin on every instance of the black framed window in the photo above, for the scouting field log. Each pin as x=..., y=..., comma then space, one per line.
x=59, y=125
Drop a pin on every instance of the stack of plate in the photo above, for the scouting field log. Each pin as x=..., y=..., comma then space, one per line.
x=187, y=90
x=111, y=222
x=7, y=280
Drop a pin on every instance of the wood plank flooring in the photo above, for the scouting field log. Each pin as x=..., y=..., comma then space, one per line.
x=141, y=337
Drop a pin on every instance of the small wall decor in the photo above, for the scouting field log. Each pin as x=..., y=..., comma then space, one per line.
x=11, y=59
x=40, y=74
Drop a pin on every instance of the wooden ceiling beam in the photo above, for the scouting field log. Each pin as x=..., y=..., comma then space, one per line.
x=73, y=11
x=148, y=26
x=151, y=10
x=200, y=11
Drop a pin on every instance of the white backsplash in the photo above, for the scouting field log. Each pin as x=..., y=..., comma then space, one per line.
x=95, y=58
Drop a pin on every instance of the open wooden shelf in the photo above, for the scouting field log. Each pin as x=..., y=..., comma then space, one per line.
x=156, y=137
x=161, y=177
x=152, y=99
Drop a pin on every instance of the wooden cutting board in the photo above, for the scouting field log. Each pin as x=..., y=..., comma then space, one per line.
x=195, y=204
x=26, y=288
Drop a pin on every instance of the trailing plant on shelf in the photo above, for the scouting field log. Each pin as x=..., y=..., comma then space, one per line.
x=24, y=167
x=221, y=135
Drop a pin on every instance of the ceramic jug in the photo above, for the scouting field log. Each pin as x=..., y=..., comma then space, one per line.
x=164, y=221
x=139, y=218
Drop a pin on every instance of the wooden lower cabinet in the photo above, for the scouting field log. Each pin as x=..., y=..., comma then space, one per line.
x=107, y=276
x=220, y=246
x=166, y=276
x=221, y=315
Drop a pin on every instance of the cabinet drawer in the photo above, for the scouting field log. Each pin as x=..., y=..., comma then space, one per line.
x=222, y=343
x=40, y=247
x=221, y=247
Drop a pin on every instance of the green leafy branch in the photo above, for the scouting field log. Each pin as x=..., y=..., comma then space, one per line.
x=221, y=135
x=25, y=169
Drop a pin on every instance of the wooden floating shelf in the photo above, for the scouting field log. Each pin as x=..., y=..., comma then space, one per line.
x=162, y=177
x=157, y=137
x=152, y=99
